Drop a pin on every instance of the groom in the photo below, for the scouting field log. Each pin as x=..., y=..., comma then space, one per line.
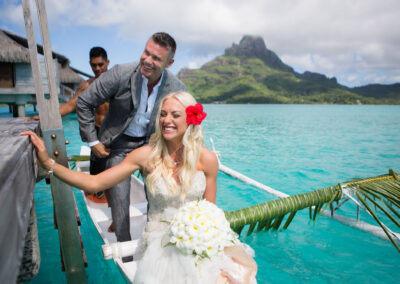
x=134, y=92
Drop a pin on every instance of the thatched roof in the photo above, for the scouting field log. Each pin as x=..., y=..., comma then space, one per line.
x=67, y=75
x=23, y=43
x=11, y=51
x=14, y=49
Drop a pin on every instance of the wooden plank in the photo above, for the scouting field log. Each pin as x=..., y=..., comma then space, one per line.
x=54, y=113
x=68, y=232
x=50, y=117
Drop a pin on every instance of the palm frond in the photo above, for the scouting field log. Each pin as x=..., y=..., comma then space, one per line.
x=271, y=214
x=376, y=195
x=383, y=192
x=79, y=158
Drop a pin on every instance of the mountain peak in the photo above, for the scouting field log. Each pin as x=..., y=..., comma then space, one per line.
x=250, y=39
x=254, y=46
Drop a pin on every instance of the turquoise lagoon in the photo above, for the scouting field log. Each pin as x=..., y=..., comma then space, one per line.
x=294, y=149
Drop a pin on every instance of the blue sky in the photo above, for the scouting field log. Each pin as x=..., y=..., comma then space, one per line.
x=355, y=41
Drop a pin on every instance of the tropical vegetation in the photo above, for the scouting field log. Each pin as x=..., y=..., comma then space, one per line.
x=250, y=73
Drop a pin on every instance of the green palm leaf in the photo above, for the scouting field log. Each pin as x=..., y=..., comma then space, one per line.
x=277, y=209
x=79, y=158
x=383, y=192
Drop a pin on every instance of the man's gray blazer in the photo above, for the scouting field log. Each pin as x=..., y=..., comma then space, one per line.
x=121, y=86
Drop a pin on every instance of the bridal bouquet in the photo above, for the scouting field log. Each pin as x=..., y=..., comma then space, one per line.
x=200, y=228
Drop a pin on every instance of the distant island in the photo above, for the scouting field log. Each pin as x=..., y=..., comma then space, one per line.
x=249, y=72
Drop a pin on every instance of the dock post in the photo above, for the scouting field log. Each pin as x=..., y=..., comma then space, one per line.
x=21, y=110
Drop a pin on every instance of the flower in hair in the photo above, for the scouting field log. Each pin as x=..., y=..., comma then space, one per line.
x=195, y=114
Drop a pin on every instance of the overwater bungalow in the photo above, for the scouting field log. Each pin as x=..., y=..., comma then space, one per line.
x=16, y=83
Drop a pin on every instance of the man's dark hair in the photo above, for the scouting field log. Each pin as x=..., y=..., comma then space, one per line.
x=165, y=40
x=97, y=51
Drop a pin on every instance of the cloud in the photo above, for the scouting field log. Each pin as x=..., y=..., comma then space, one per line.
x=12, y=12
x=331, y=36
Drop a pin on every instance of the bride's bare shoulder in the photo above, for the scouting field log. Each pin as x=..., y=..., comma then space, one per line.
x=140, y=155
x=208, y=159
x=146, y=149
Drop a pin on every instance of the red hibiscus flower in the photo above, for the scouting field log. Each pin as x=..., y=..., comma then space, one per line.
x=195, y=114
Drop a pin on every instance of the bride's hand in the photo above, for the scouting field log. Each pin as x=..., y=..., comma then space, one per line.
x=44, y=160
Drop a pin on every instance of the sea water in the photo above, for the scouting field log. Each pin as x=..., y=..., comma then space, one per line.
x=297, y=149
x=294, y=149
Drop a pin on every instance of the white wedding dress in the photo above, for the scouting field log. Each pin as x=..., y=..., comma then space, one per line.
x=167, y=265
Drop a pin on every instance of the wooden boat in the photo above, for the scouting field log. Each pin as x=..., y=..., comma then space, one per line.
x=101, y=216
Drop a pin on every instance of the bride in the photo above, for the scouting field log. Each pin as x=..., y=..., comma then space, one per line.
x=177, y=169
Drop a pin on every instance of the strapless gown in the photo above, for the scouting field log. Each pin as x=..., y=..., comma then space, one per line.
x=167, y=265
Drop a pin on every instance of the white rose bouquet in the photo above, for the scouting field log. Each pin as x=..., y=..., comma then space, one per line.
x=200, y=228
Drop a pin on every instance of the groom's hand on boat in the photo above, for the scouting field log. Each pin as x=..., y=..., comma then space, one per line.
x=44, y=160
x=100, y=151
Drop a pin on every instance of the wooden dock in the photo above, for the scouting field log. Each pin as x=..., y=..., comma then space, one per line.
x=18, y=171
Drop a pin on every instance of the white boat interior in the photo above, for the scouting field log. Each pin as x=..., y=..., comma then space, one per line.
x=101, y=216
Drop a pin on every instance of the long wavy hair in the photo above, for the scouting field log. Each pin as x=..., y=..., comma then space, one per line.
x=160, y=162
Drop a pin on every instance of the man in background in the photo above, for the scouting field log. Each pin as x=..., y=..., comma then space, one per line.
x=99, y=64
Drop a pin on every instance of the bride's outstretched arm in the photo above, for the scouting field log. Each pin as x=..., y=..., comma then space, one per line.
x=209, y=163
x=89, y=183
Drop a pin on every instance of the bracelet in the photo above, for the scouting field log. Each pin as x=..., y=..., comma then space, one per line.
x=51, y=170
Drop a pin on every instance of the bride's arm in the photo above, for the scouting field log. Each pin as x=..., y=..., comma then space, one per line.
x=209, y=164
x=89, y=183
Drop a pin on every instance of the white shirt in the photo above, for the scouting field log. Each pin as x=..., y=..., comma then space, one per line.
x=138, y=126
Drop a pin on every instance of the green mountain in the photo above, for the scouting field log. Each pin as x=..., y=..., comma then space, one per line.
x=389, y=94
x=248, y=72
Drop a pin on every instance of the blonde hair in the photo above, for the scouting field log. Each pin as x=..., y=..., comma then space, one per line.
x=161, y=164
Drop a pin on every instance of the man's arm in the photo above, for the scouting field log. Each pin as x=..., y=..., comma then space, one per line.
x=69, y=106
